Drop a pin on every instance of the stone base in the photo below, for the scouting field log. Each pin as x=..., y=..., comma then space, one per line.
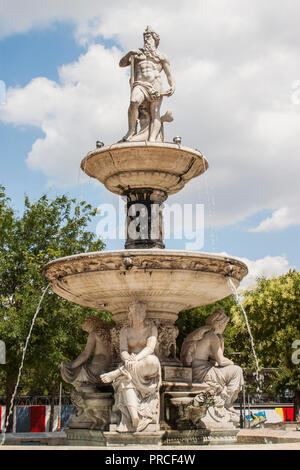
x=177, y=373
x=85, y=437
x=151, y=438
x=267, y=436
x=199, y=437
x=94, y=410
x=180, y=412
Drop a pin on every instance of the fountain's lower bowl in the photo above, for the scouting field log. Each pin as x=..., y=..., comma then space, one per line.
x=168, y=281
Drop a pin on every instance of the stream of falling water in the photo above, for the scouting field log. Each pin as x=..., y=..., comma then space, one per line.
x=21, y=365
x=238, y=301
x=211, y=212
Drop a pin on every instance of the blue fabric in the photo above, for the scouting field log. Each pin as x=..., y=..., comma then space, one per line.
x=66, y=414
x=22, y=419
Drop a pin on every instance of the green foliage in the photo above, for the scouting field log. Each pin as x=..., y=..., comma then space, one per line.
x=273, y=311
x=190, y=320
x=48, y=229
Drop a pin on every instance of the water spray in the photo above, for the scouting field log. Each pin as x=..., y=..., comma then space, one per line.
x=21, y=366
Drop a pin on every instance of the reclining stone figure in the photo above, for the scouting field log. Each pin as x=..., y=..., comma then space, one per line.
x=203, y=350
x=80, y=372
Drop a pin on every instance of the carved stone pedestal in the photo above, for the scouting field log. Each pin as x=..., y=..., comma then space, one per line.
x=85, y=437
x=186, y=406
x=199, y=437
x=152, y=437
x=94, y=410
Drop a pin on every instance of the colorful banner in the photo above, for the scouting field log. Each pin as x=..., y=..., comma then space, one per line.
x=36, y=418
x=270, y=415
x=30, y=418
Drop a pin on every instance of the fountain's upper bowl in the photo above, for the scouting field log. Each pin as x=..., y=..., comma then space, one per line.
x=167, y=281
x=128, y=166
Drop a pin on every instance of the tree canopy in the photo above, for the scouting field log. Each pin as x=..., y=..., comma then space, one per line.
x=273, y=310
x=48, y=229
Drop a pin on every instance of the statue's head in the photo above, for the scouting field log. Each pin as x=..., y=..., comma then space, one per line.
x=150, y=35
x=95, y=323
x=217, y=320
x=137, y=311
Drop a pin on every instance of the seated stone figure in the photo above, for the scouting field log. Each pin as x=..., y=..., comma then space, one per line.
x=136, y=382
x=80, y=372
x=203, y=349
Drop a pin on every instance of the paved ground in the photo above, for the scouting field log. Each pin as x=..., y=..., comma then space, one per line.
x=247, y=439
x=290, y=446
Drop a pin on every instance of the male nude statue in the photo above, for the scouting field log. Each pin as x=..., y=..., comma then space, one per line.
x=147, y=88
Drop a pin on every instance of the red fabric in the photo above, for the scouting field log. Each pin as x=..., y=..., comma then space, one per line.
x=290, y=414
x=37, y=418
x=284, y=414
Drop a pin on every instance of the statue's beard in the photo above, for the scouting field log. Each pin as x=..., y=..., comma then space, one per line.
x=150, y=50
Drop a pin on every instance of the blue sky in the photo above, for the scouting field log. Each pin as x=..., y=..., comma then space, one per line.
x=242, y=117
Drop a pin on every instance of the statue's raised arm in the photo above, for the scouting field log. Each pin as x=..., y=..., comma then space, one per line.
x=146, y=90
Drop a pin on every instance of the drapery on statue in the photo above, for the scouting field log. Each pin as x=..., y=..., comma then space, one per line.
x=147, y=90
x=203, y=349
x=81, y=372
x=136, y=382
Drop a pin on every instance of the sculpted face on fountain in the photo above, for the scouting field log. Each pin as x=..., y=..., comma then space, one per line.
x=218, y=320
x=137, y=314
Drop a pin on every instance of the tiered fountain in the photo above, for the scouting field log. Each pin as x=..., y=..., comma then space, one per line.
x=149, y=282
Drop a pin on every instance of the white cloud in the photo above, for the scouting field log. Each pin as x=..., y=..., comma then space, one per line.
x=268, y=267
x=235, y=66
x=280, y=219
x=73, y=113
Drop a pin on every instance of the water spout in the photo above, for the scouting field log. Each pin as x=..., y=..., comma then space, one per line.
x=21, y=365
x=238, y=301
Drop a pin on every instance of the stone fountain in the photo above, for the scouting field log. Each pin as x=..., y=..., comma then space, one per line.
x=136, y=391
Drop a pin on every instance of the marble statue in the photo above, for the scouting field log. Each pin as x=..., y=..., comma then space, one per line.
x=80, y=372
x=137, y=381
x=203, y=350
x=147, y=90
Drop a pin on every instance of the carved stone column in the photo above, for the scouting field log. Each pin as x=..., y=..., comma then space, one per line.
x=144, y=223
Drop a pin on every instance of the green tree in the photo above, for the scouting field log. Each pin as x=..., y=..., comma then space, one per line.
x=47, y=229
x=273, y=310
x=190, y=320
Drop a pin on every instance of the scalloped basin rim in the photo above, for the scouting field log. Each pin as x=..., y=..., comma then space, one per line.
x=120, y=145
x=166, y=280
x=138, y=165
x=146, y=252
